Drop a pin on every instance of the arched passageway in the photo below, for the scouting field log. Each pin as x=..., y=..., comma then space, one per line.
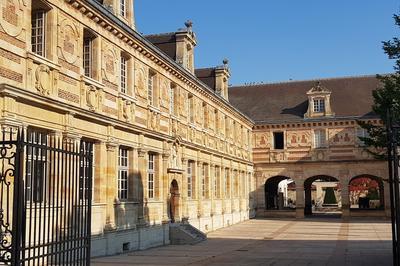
x=322, y=194
x=366, y=192
x=280, y=193
x=174, y=201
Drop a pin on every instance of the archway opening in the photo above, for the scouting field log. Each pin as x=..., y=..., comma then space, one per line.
x=322, y=196
x=366, y=193
x=280, y=193
x=174, y=201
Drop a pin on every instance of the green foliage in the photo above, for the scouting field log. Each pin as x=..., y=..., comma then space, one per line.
x=373, y=194
x=330, y=197
x=385, y=97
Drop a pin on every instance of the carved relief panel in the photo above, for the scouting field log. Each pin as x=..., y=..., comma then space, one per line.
x=127, y=110
x=109, y=67
x=299, y=139
x=68, y=40
x=140, y=80
x=43, y=80
x=12, y=17
x=342, y=136
x=164, y=93
x=93, y=98
x=153, y=120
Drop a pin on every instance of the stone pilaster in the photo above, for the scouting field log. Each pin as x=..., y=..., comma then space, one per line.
x=142, y=163
x=111, y=189
x=300, y=200
x=164, y=193
x=345, y=197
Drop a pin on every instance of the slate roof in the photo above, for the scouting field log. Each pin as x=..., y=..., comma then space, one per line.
x=166, y=42
x=287, y=101
x=207, y=76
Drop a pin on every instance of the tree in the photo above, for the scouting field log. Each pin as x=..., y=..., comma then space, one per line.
x=386, y=97
x=330, y=197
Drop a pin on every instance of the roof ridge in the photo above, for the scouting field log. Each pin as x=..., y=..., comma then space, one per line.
x=159, y=34
x=254, y=84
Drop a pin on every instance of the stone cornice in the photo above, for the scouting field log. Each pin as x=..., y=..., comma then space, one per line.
x=17, y=93
x=122, y=31
x=345, y=121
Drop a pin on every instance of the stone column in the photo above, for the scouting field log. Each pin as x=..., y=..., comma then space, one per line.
x=164, y=190
x=199, y=190
x=300, y=201
x=111, y=190
x=184, y=189
x=345, y=197
x=211, y=178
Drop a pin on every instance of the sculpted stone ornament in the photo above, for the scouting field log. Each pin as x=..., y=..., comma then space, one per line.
x=12, y=15
x=43, y=80
x=140, y=83
x=109, y=66
x=91, y=98
x=127, y=110
x=153, y=118
x=164, y=94
x=68, y=39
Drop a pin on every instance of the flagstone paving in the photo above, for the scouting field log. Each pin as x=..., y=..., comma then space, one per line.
x=314, y=241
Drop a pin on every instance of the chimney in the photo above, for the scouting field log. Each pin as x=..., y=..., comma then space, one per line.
x=185, y=44
x=222, y=75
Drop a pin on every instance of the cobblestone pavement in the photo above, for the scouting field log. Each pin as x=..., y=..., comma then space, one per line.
x=315, y=241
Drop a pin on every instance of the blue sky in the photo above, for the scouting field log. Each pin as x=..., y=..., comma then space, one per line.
x=278, y=40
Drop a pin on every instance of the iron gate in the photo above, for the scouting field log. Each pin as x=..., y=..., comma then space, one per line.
x=45, y=199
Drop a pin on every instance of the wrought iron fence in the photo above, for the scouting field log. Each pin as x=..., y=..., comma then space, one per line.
x=45, y=199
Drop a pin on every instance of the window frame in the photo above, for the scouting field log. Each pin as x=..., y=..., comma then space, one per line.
x=190, y=179
x=123, y=174
x=275, y=133
x=319, y=138
x=124, y=74
x=319, y=105
x=122, y=8
x=150, y=87
x=35, y=44
x=151, y=161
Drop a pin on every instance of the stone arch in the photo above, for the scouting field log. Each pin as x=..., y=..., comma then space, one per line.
x=373, y=184
x=274, y=198
x=308, y=190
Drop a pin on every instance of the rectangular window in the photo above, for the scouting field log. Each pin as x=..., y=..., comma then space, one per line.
x=123, y=168
x=279, y=142
x=122, y=7
x=38, y=32
x=124, y=77
x=362, y=133
x=85, y=167
x=190, y=179
x=227, y=183
x=319, y=105
x=150, y=176
x=203, y=180
x=36, y=165
x=172, y=99
x=87, y=56
x=150, y=88
x=319, y=138
x=217, y=176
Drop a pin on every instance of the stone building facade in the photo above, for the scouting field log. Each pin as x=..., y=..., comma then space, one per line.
x=308, y=131
x=168, y=145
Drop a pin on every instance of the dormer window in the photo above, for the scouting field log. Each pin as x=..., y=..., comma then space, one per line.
x=319, y=102
x=319, y=105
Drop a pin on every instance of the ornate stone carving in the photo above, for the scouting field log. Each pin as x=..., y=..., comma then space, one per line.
x=153, y=120
x=92, y=98
x=164, y=98
x=109, y=63
x=140, y=85
x=43, y=80
x=12, y=16
x=127, y=110
x=68, y=39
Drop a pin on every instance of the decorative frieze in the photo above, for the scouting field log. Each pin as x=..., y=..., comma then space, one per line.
x=10, y=56
x=10, y=74
x=68, y=96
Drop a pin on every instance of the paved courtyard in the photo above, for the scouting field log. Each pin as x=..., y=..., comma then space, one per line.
x=314, y=241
